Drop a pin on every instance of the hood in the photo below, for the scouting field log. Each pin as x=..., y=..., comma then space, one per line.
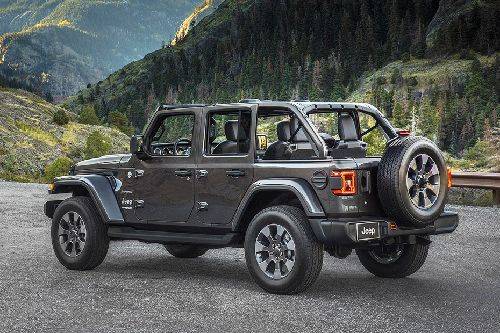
x=103, y=162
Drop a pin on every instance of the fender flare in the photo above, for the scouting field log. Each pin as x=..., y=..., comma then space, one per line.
x=300, y=187
x=101, y=192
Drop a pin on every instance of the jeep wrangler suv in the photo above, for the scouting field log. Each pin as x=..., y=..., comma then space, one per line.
x=287, y=181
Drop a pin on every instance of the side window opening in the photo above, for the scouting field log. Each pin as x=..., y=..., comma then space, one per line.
x=372, y=134
x=228, y=133
x=349, y=134
x=281, y=136
x=172, y=136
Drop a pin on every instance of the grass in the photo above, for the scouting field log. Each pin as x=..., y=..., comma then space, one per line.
x=426, y=71
x=37, y=134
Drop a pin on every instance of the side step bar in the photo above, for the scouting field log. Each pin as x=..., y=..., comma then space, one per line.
x=171, y=237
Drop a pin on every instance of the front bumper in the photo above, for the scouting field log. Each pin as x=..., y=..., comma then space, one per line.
x=343, y=231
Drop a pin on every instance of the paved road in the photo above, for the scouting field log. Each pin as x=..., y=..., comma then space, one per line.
x=140, y=288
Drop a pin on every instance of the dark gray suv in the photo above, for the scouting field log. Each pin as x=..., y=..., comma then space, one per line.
x=285, y=180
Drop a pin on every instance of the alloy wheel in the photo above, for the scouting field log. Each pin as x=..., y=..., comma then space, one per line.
x=423, y=181
x=275, y=251
x=72, y=234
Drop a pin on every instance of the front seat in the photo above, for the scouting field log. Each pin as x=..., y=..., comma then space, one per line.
x=280, y=150
x=233, y=137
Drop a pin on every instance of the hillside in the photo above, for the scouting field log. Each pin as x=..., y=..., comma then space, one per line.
x=60, y=46
x=321, y=50
x=29, y=140
x=453, y=101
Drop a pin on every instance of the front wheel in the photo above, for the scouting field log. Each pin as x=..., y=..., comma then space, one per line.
x=282, y=254
x=394, y=261
x=79, y=236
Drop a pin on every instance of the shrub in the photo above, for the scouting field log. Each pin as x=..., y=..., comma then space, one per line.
x=396, y=76
x=411, y=81
x=380, y=80
x=97, y=145
x=478, y=154
x=120, y=121
x=88, y=116
x=60, y=118
x=59, y=167
x=405, y=57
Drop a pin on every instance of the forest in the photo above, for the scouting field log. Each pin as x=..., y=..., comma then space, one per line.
x=329, y=50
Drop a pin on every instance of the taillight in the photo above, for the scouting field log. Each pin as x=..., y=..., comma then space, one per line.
x=449, y=177
x=346, y=182
x=403, y=132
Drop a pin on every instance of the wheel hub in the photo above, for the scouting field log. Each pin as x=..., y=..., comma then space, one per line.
x=422, y=181
x=275, y=251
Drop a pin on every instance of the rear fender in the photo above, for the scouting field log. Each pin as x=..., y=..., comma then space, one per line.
x=98, y=187
x=300, y=187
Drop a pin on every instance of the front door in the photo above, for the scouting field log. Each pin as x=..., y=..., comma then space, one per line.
x=225, y=168
x=164, y=190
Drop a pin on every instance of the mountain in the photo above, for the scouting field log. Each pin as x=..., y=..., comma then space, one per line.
x=323, y=50
x=30, y=141
x=60, y=46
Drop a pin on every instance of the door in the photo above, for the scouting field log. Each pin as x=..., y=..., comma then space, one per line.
x=225, y=168
x=164, y=190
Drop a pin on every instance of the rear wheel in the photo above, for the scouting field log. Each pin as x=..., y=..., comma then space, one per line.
x=282, y=254
x=79, y=236
x=185, y=250
x=394, y=261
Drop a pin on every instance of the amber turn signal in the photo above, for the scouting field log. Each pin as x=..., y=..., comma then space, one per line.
x=347, y=181
x=393, y=226
x=449, y=177
x=52, y=187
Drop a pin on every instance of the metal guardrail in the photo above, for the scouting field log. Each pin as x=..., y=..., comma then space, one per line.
x=481, y=180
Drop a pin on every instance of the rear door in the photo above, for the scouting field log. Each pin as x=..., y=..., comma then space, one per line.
x=225, y=165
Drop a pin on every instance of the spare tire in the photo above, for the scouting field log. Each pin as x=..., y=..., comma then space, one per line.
x=412, y=181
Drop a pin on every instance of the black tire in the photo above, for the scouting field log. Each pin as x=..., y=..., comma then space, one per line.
x=96, y=237
x=410, y=260
x=392, y=187
x=308, y=252
x=185, y=250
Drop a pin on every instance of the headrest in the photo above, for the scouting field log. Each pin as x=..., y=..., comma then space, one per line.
x=300, y=135
x=347, y=128
x=232, y=132
x=283, y=130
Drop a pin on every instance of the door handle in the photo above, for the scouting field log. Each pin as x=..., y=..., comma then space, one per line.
x=235, y=173
x=183, y=173
x=201, y=174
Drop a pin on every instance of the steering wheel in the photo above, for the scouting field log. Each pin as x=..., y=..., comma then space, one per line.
x=179, y=141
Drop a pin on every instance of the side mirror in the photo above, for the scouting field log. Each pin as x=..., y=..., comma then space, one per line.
x=136, y=144
x=262, y=141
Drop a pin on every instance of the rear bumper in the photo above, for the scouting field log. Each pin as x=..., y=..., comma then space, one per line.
x=343, y=231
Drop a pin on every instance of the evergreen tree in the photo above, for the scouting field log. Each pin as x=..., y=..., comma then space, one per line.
x=88, y=116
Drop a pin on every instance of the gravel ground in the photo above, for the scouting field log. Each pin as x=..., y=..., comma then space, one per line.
x=140, y=288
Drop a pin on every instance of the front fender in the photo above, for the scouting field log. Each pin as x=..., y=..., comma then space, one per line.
x=300, y=187
x=99, y=189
